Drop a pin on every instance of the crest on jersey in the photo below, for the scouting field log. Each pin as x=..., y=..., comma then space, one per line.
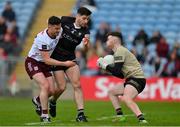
x=80, y=34
x=35, y=68
x=44, y=47
x=73, y=31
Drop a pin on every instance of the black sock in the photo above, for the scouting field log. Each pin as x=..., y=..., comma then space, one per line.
x=80, y=112
x=38, y=99
x=119, y=111
x=141, y=117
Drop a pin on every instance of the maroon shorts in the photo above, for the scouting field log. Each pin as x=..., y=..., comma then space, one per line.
x=33, y=67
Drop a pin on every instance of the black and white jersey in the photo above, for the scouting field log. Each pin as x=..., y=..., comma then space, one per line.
x=71, y=37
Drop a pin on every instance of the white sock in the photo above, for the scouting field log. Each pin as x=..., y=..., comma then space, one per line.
x=45, y=115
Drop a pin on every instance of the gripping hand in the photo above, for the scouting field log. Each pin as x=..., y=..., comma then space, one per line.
x=101, y=63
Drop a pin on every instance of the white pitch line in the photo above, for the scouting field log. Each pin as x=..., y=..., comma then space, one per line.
x=59, y=122
x=109, y=117
x=41, y=123
x=35, y=123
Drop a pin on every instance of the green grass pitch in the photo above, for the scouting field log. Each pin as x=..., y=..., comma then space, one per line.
x=20, y=112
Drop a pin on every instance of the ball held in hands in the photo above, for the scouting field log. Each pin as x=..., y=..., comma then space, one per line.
x=103, y=62
x=109, y=59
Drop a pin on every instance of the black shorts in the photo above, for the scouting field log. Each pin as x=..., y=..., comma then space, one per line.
x=57, y=68
x=138, y=83
x=63, y=55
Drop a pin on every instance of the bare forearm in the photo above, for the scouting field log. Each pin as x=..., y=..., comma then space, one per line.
x=51, y=61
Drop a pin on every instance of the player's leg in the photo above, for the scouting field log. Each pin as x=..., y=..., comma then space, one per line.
x=39, y=71
x=130, y=93
x=114, y=93
x=52, y=88
x=73, y=74
x=44, y=91
x=36, y=100
x=60, y=87
x=60, y=80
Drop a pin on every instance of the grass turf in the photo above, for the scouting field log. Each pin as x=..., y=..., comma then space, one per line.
x=20, y=112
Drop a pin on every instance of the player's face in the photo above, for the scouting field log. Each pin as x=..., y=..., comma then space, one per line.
x=83, y=20
x=55, y=29
x=110, y=42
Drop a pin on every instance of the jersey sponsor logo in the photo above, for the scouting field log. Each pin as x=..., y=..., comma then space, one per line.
x=67, y=27
x=70, y=38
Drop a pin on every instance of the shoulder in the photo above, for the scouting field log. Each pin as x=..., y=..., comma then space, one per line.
x=67, y=19
x=122, y=49
x=41, y=36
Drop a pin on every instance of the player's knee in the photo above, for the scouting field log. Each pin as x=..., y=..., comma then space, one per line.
x=45, y=87
x=52, y=92
x=61, y=89
x=126, y=99
x=76, y=84
x=77, y=87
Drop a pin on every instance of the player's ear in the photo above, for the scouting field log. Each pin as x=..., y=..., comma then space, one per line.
x=49, y=25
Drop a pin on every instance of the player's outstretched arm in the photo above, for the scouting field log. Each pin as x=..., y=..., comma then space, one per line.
x=48, y=60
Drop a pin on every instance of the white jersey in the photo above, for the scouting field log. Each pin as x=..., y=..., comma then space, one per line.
x=42, y=42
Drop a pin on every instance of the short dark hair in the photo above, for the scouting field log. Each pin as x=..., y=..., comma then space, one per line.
x=84, y=11
x=116, y=34
x=53, y=20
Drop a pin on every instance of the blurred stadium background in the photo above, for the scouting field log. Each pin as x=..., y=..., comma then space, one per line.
x=150, y=28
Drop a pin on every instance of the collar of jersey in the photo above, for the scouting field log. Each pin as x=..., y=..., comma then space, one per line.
x=77, y=27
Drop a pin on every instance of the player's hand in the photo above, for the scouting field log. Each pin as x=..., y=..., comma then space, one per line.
x=101, y=63
x=86, y=40
x=69, y=63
